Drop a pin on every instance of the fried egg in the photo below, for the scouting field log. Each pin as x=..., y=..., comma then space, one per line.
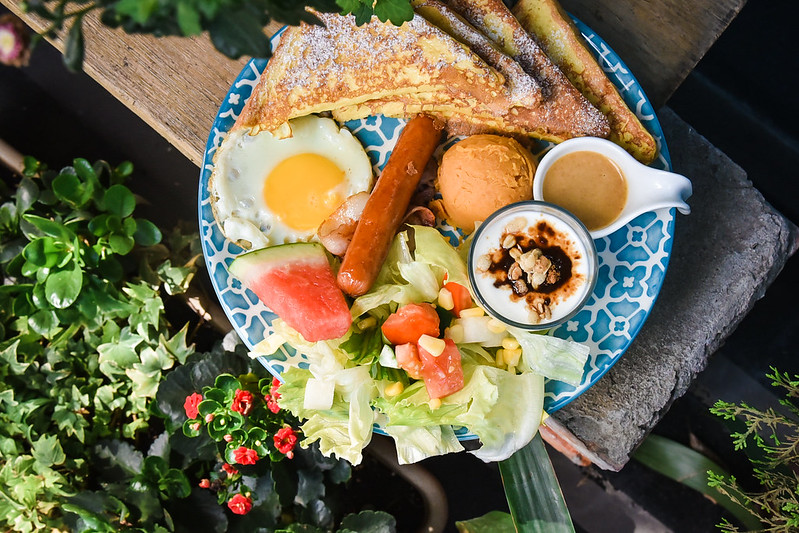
x=268, y=191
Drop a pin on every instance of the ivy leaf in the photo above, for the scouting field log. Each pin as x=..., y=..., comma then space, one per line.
x=177, y=346
x=48, y=451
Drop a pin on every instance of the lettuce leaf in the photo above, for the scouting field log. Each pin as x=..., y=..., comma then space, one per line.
x=416, y=443
x=551, y=357
x=345, y=429
x=413, y=276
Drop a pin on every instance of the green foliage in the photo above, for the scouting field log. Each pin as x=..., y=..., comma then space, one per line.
x=83, y=337
x=775, y=437
x=234, y=26
x=94, y=434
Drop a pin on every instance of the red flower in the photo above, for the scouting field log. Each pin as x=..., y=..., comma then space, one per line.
x=191, y=403
x=275, y=385
x=205, y=483
x=240, y=504
x=245, y=456
x=271, y=403
x=285, y=439
x=242, y=402
x=230, y=469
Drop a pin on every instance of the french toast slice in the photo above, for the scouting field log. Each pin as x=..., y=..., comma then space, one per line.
x=553, y=30
x=560, y=113
x=322, y=68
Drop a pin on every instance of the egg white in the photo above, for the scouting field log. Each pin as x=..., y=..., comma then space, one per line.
x=243, y=162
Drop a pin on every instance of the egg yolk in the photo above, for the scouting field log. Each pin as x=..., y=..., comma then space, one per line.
x=303, y=190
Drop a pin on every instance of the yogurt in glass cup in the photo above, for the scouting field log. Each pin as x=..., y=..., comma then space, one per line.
x=525, y=288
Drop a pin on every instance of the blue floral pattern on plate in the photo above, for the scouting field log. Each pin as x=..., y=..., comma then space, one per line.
x=632, y=260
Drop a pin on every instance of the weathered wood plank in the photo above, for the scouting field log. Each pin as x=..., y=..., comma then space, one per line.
x=660, y=41
x=176, y=85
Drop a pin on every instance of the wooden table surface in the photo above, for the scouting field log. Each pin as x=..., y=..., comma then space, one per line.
x=176, y=85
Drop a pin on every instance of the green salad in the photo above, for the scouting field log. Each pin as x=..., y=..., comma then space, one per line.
x=420, y=361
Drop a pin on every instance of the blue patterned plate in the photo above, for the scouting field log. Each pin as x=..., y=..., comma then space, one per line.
x=632, y=261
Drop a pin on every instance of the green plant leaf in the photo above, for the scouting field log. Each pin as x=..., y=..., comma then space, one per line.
x=26, y=195
x=227, y=383
x=240, y=32
x=147, y=233
x=42, y=252
x=120, y=243
x=50, y=228
x=44, y=322
x=63, y=287
x=119, y=201
x=492, y=522
x=47, y=450
x=689, y=467
x=74, y=47
x=373, y=522
x=123, y=170
x=188, y=19
x=394, y=11
x=175, y=484
x=138, y=10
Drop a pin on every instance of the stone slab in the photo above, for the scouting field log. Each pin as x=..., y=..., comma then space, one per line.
x=725, y=254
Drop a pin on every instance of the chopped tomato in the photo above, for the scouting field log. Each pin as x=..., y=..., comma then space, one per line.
x=460, y=297
x=442, y=375
x=408, y=359
x=410, y=322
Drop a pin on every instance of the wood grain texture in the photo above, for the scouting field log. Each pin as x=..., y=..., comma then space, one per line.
x=176, y=85
x=661, y=41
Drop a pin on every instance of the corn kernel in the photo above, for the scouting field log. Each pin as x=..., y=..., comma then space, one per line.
x=472, y=311
x=432, y=345
x=445, y=299
x=367, y=323
x=454, y=332
x=434, y=403
x=394, y=389
x=512, y=356
x=496, y=326
x=500, y=357
x=509, y=343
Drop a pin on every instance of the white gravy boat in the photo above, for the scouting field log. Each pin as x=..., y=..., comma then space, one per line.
x=648, y=189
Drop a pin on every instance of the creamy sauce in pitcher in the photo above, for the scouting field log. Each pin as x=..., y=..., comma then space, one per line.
x=589, y=185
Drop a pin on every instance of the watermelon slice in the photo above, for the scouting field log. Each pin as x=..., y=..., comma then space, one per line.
x=297, y=283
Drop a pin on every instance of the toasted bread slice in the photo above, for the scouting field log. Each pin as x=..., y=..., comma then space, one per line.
x=561, y=112
x=554, y=31
x=322, y=68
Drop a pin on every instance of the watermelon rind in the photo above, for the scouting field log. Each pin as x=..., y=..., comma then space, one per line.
x=246, y=265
